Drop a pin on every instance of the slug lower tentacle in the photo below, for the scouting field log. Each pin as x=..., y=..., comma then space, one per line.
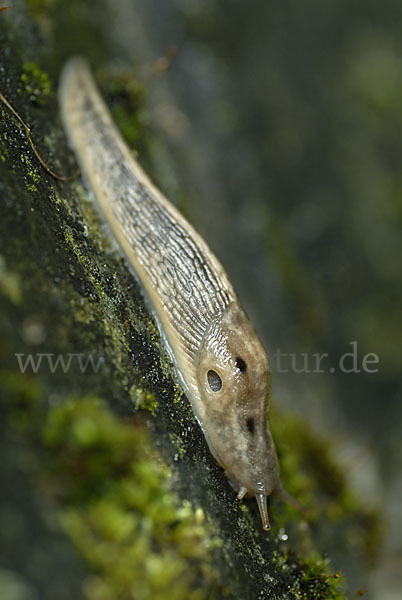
x=219, y=359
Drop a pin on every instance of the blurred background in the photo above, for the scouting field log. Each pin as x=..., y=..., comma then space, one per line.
x=282, y=143
x=278, y=133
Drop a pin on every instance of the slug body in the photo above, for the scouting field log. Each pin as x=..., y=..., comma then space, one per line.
x=220, y=361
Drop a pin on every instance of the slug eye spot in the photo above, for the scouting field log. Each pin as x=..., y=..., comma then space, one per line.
x=250, y=425
x=215, y=382
x=240, y=364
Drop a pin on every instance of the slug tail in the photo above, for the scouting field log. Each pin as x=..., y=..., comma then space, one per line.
x=262, y=505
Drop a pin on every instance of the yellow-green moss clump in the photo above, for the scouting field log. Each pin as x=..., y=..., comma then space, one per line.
x=138, y=539
x=124, y=94
x=311, y=475
x=36, y=83
x=310, y=578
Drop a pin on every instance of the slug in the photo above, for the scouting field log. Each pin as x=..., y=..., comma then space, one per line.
x=219, y=359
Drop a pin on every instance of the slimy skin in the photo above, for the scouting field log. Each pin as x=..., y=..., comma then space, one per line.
x=219, y=359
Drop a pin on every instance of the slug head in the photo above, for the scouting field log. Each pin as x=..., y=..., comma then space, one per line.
x=234, y=382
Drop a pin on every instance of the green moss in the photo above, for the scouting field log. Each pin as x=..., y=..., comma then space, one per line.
x=41, y=5
x=143, y=400
x=4, y=153
x=178, y=394
x=310, y=473
x=310, y=577
x=125, y=96
x=178, y=443
x=32, y=172
x=104, y=309
x=9, y=284
x=114, y=498
x=36, y=83
x=119, y=510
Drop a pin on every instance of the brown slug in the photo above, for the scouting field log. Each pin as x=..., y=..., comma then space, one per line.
x=220, y=361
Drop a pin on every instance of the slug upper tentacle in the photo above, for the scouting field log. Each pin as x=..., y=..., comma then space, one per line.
x=218, y=356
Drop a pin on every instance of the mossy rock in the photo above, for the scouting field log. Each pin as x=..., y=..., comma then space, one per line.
x=120, y=471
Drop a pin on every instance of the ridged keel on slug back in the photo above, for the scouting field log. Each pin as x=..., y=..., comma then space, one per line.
x=187, y=286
